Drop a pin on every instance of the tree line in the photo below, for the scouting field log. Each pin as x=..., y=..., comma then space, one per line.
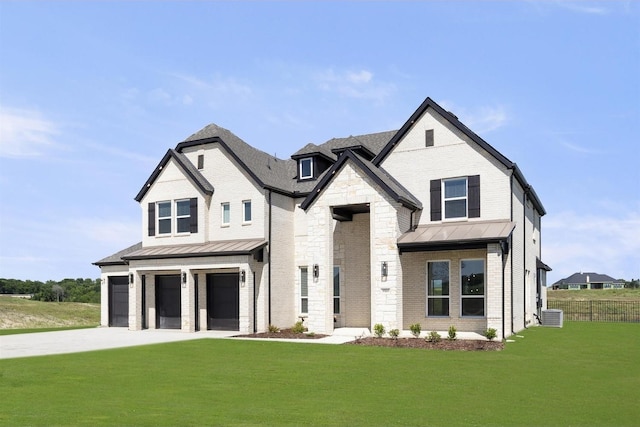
x=70, y=290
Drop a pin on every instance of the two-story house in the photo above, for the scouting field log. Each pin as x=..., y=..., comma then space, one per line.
x=428, y=224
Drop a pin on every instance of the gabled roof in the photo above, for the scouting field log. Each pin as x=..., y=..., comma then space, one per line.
x=268, y=171
x=429, y=103
x=373, y=142
x=187, y=167
x=314, y=149
x=116, y=259
x=378, y=175
x=580, y=278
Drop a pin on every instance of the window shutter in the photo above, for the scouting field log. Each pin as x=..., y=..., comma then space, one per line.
x=152, y=219
x=436, y=200
x=473, y=182
x=193, y=213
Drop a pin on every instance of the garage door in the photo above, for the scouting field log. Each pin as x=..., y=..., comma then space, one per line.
x=223, y=301
x=168, y=304
x=118, y=301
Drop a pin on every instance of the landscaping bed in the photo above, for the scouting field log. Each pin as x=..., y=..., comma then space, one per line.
x=463, y=345
x=288, y=334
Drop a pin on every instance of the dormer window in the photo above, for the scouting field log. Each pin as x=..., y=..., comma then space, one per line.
x=306, y=168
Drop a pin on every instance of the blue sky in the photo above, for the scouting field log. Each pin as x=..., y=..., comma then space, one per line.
x=92, y=94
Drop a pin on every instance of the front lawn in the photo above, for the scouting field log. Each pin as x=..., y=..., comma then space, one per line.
x=583, y=374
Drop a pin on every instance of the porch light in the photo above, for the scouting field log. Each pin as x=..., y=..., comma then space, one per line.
x=242, y=276
x=131, y=280
x=316, y=271
x=384, y=269
x=184, y=279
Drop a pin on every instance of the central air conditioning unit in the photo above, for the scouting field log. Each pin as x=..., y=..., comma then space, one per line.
x=552, y=317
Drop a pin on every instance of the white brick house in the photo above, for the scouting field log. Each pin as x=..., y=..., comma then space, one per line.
x=428, y=224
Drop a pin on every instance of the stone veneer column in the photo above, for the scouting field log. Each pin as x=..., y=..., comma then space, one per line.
x=135, y=301
x=246, y=299
x=320, y=252
x=493, y=292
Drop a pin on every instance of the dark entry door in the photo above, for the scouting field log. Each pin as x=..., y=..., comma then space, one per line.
x=168, y=304
x=118, y=301
x=223, y=301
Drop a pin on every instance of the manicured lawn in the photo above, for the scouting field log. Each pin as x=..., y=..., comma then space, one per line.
x=583, y=374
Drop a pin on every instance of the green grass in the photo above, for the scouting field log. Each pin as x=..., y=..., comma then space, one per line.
x=18, y=313
x=581, y=375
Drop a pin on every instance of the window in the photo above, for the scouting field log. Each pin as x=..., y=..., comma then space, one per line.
x=164, y=217
x=226, y=213
x=472, y=287
x=306, y=168
x=304, y=290
x=200, y=161
x=246, y=211
x=455, y=198
x=336, y=290
x=438, y=288
x=183, y=216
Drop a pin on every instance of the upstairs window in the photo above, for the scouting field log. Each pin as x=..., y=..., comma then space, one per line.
x=455, y=198
x=246, y=211
x=306, y=168
x=164, y=218
x=183, y=216
x=226, y=213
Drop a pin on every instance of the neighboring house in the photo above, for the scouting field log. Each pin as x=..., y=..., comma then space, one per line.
x=589, y=281
x=428, y=224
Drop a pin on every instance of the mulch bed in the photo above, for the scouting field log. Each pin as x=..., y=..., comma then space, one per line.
x=284, y=334
x=461, y=345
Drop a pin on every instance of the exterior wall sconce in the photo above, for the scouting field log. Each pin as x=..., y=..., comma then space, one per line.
x=184, y=279
x=385, y=269
x=131, y=280
x=316, y=271
x=243, y=276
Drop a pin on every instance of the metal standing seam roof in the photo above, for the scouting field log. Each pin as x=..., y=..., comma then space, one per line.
x=225, y=248
x=457, y=232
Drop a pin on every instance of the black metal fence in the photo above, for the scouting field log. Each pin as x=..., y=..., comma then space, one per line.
x=598, y=310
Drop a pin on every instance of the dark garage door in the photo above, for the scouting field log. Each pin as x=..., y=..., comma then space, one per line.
x=223, y=301
x=118, y=301
x=168, y=304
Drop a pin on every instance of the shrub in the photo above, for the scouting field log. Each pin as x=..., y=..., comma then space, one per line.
x=274, y=329
x=491, y=333
x=299, y=328
x=393, y=333
x=453, y=332
x=378, y=330
x=433, y=337
x=415, y=329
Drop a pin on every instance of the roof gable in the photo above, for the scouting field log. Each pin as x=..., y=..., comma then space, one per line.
x=388, y=184
x=187, y=168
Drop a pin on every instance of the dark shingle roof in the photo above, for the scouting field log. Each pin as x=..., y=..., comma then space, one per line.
x=373, y=142
x=582, y=278
x=313, y=149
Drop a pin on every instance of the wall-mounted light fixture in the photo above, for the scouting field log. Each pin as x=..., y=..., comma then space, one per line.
x=184, y=279
x=243, y=276
x=316, y=271
x=384, y=270
x=131, y=280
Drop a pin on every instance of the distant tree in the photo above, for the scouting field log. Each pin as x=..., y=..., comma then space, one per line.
x=633, y=284
x=58, y=291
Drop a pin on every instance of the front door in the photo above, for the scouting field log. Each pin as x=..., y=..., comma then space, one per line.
x=118, y=301
x=223, y=301
x=168, y=303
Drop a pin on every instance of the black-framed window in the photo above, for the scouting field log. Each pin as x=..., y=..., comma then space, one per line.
x=455, y=198
x=438, y=288
x=472, y=287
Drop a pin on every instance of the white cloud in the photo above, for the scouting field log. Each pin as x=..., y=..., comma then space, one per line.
x=103, y=231
x=582, y=7
x=602, y=242
x=212, y=89
x=25, y=133
x=482, y=119
x=354, y=84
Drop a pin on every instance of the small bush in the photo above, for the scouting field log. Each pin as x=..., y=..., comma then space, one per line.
x=433, y=337
x=491, y=333
x=453, y=333
x=299, y=328
x=415, y=329
x=378, y=330
x=274, y=329
x=393, y=333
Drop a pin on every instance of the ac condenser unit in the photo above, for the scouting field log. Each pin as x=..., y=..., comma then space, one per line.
x=552, y=317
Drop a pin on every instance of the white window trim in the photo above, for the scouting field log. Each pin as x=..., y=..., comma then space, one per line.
x=175, y=228
x=301, y=297
x=244, y=218
x=339, y=297
x=310, y=159
x=484, y=295
x=445, y=199
x=158, y=218
x=222, y=222
x=426, y=308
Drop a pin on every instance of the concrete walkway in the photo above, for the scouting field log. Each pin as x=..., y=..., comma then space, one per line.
x=79, y=340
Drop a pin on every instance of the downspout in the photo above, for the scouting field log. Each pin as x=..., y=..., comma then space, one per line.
x=511, y=258
x=524, y=257
x=269, y=260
